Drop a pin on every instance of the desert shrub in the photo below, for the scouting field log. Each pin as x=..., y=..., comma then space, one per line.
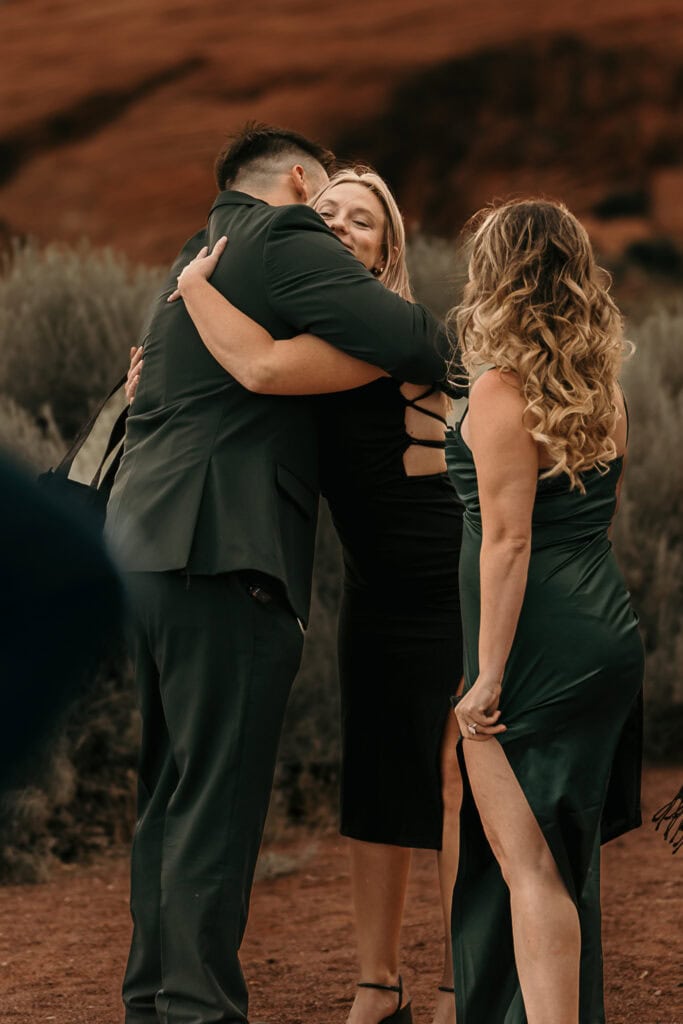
x=67, y=320
x=312, y=726
x=27, y=841
x=306, y=782
x=80, y=796
x=99, y=740
x=648, y=531
x=34, y=440
x=68, y=317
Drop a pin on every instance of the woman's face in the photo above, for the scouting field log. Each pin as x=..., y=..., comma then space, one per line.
x=357, y=217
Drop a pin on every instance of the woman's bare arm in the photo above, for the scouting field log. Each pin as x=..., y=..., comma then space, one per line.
x=304, y=365
x=506, y=460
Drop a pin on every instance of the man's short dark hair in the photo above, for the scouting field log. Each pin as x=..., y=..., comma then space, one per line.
x=258, y=142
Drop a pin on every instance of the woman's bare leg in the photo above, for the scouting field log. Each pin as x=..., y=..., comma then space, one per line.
x=379, y=876
x=545, y=923
x=447, y=860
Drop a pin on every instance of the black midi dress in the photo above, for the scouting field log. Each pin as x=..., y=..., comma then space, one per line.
x=400, y=637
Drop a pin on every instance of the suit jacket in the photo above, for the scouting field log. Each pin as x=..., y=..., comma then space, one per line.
x=213, y=477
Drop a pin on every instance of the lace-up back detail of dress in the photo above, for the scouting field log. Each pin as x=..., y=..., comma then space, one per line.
x=382, y=455
x=425, y=425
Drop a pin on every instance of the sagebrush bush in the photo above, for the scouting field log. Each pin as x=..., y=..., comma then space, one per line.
x=311, y=732
x=80, y=796
x=67, y=320
x=307, y=775
x=68, y=317
x=27, y=839
x=34, y=440
x=648, y=532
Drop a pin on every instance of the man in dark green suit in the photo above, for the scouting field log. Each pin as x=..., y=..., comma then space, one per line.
x=213, y=512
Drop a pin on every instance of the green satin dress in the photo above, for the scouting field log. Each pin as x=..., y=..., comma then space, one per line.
x=571, y=700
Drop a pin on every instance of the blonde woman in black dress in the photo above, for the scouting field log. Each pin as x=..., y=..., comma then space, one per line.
x=382, y=470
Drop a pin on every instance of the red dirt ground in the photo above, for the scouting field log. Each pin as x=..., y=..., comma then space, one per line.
x=63, y=944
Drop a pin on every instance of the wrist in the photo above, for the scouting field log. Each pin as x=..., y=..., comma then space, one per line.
x=490, y=678
x=190, y=284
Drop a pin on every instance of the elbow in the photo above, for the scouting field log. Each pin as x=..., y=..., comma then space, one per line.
x=259, y=378
x=515, y=544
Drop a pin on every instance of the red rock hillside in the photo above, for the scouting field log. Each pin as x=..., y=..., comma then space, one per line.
x=113, y=112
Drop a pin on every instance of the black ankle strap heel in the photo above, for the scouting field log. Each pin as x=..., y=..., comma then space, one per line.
x=402, y=1014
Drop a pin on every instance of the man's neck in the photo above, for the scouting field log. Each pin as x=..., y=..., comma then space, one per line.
x=278, y=195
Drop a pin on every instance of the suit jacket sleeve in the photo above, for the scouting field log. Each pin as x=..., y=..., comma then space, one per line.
x=320, y=288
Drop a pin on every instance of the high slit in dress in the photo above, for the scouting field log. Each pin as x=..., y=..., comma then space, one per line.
x=571, y=703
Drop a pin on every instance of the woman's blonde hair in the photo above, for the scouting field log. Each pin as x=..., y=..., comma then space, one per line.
x=394, y=276
x=536, y=304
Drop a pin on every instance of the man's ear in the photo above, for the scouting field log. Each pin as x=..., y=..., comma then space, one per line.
x=300, y=182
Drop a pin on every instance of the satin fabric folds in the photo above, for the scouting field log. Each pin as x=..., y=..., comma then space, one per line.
x=571, y=700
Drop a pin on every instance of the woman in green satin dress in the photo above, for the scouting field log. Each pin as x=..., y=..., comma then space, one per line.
x=553, y=659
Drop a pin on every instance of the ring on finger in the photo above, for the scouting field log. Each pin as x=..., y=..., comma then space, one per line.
x=471, y=728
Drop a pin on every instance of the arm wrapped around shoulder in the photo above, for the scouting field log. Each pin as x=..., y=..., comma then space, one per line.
x=319, y=287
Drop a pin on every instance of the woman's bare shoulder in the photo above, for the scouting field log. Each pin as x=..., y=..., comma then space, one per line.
x=496, y=390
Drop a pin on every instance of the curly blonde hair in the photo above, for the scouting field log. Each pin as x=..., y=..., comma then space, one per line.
x=394, y=276
x=536, y=304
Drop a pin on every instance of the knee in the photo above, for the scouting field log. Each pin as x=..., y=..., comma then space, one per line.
x=527, y=866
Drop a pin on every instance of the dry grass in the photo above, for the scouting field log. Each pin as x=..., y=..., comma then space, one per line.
x=648, y=532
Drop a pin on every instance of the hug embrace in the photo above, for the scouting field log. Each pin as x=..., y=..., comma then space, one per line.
x=286, y=359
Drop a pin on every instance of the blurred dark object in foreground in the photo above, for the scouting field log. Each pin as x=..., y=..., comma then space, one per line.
x=61, y=605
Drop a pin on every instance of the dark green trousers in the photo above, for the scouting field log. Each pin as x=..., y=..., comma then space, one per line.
x=214, y=668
